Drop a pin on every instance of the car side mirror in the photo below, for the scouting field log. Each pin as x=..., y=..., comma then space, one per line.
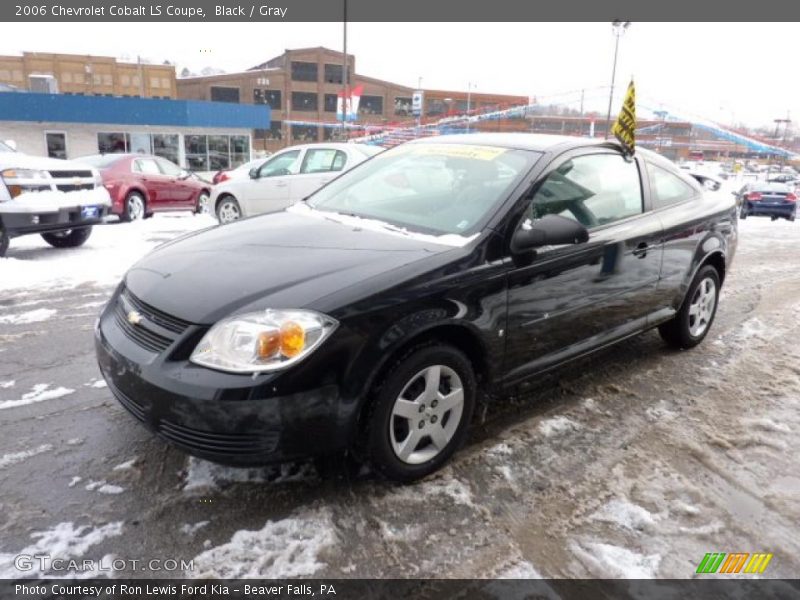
x=550, y=230
x=254, y=173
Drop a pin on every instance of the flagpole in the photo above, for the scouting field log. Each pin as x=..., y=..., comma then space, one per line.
x=619, y=28
x=344, y=75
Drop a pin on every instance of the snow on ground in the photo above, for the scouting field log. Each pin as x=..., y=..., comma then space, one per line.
x=625, y=514
x=39, y=393
x=66, y=540
x=191, y=528
x=7, y=384
x=16, y=457
x=31, y=263
x=289, y=547
x=32, y=316
x=557, y=425
x=128, y=464
x=96, y=383
x=103, y=487
x=202, y=475
x=606, y=561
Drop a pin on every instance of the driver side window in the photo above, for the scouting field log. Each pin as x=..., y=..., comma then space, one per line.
x=595, y=189
x=282, y=164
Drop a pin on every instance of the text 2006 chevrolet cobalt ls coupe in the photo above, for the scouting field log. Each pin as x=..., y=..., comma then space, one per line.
x=370, y=316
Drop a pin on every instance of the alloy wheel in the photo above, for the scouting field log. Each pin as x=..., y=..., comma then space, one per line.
x=426, y=414
x=701, y=309
x=229, y=211
x=135, y=207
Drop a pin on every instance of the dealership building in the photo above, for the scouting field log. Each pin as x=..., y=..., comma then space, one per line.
x=201, y=136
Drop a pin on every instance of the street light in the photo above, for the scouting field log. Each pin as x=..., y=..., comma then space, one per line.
x=618, y=28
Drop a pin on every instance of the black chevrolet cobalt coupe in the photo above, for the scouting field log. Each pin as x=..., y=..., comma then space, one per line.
x=372, y=315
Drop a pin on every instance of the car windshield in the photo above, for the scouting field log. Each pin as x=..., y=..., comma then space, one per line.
x=5, y=148
x=100, y=161
x=430, y=188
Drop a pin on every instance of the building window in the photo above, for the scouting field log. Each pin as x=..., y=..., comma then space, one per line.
x=333, y=74
x=334, y=134
x=112, y=143
x=224, y=94
x=402, y=106
x=140, y=143
x=166, y=146
x=219, y=152
x=330, y=102
x=107, y=79
x=125, y=80
x=304, y=71
x=271, y=98
x=196, y=152
x=166, y=84
x=303, y=133
x=435, y=107
x=304, y=101
x=56, y=144
x=66, y=77
x=215, y=152
x=371, y=105
x=275, y=132
x=135, y=81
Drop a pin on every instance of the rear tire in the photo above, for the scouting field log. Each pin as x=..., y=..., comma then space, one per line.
x=694, y=319
x=134, y=208
x=202, y=203
x=71, y=238
x=743, y=214
x=421, y=412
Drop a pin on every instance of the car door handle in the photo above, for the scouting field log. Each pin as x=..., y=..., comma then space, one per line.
x=641, y=250
x=281, y=184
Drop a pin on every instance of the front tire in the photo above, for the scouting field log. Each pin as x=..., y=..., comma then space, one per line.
x=692, y=322
x=743, y=214
x=71, y=238
x=5, y=240
x=228, y=210
x=421, y=412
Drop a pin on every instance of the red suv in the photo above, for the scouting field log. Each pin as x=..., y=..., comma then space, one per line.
x=140, y=185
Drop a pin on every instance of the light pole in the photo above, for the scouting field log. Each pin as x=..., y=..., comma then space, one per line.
x=618, y=28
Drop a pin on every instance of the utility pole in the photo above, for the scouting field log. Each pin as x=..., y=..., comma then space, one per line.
x=344, y=74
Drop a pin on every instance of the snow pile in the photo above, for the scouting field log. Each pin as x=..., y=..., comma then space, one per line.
x=39, y=393
x=103, y=487
x=281, y=549
x=32, y=316
x=605, y=561
x=64, y=541
x=126, y=465
x=111, y=251
x=203, y=475
x=17, y=457
x=556, y=425
x=458, y=491
x=7, y=384
x=624, y=514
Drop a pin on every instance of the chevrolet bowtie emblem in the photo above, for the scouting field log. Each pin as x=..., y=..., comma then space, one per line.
x=134, y=318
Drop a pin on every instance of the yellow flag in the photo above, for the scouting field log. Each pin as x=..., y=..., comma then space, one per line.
x=625, y=126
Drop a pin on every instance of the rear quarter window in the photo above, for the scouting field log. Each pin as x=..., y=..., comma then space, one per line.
x=667, y=188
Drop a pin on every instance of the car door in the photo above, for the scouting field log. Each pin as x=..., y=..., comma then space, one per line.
x=269, y=191
x=566, y=300
x=156, y=184
x=181, y=189
x=319, y=166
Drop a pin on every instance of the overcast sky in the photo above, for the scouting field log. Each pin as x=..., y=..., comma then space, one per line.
x=721, y=71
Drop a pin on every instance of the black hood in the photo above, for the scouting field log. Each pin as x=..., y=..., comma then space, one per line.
x=280, y=260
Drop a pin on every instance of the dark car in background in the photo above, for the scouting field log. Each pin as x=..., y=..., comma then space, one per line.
x=767, y=199
x=376, y=313
x=141, y=185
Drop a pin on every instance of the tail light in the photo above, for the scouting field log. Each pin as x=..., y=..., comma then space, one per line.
x=791, y=197
x=753, y=196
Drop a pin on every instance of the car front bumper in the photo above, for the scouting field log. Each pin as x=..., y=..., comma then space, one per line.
x=41, y=212
x=226, y=418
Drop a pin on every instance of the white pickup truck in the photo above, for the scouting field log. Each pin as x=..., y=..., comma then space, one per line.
x=59, y=199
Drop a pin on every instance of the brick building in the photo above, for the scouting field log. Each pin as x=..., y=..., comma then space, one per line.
x=303, y=84
x=87, y=75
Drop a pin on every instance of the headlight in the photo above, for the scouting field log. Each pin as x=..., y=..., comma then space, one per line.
x=23, y=180
x=262, y=341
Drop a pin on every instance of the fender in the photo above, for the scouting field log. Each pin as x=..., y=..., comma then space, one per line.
x=713, y=245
